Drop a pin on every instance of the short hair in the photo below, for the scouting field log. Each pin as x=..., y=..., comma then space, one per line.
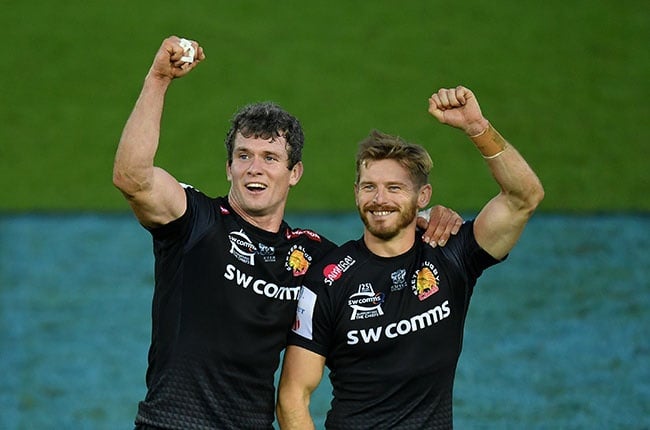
x=267, y=120
x=382, y=146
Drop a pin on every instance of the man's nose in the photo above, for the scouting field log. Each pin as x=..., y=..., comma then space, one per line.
x=380, y=195
x=255, y=165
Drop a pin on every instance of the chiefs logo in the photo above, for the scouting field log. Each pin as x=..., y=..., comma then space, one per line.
x=297, y=261
x=425, y=282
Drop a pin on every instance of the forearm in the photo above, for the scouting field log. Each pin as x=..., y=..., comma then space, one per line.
x=133, y=167
x=518, y=182
x=501, y=221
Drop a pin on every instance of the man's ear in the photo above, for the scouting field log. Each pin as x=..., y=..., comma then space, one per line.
x=228, y=174
x=424, y=196
x=296, y=173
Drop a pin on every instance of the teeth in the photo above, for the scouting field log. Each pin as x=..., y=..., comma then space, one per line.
x=256, y=186
x=381, y=213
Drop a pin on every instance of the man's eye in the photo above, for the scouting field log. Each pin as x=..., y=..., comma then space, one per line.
x=243, y=156
x=271, y=158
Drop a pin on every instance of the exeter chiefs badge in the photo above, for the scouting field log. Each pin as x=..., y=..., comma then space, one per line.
x=297, y=261
x=425, y=281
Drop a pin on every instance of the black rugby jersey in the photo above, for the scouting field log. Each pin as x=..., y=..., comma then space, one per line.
x=224, y=301
x=391, y=330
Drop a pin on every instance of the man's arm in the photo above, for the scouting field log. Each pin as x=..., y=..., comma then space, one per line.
x=500, y=223
x=154, y=195
x=302, y=371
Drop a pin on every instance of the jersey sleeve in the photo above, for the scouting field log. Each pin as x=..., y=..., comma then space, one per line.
x=309, y=326
x=198, y=215
x=467, y=254
x=316, y=311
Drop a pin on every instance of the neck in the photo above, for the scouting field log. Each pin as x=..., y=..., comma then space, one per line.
x=269, y=221
x=396, y=245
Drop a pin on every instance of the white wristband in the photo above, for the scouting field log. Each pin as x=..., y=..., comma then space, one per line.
x=188, y=51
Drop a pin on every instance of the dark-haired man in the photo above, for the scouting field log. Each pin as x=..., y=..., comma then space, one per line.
x=227, y=270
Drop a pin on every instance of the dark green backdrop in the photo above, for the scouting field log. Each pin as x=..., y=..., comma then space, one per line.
x=565, y=81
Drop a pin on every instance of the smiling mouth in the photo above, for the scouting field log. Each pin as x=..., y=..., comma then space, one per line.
x=381, y=213
x=255, y=186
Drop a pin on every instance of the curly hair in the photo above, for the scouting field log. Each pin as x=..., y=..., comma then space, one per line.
x=267, y=120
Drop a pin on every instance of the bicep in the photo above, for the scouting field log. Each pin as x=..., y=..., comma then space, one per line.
x=302, y=370
x=498, y=226
x=160, y=203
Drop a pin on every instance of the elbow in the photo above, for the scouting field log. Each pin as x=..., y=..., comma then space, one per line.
x=281, y=412
x=532, y=198
x=122, y=182
x=119, y=180
x=284, y=404
x=127, y=182
x=292, y=410
x=536, y=195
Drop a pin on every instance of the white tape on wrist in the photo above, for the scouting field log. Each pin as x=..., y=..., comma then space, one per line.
x=188, y=51
x=425, y=213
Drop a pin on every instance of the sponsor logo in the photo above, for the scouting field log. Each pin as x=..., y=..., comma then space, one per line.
x=305, y=313
x=425, y=281
x=297, y=261
x=266, y=252
x=242, y=247
x=400, y=328
x=399, y=280
x=365, y=303
x=260, y=286
x=332, y=272
x=292, y=234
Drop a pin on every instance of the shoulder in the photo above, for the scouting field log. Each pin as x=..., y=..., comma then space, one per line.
x=337, y=262
x=316, y=243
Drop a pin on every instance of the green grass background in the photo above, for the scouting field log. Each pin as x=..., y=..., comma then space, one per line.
x=565, y=81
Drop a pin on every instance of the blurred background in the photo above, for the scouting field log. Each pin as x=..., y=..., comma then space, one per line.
x=556, y=338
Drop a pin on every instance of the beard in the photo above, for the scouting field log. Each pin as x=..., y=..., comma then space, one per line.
x=387, y=230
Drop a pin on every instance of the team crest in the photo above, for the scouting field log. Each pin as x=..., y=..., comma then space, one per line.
x=297, y=261
x=425, y=281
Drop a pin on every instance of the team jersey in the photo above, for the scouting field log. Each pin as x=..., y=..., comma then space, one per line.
x=391, y=330
x=224, y=301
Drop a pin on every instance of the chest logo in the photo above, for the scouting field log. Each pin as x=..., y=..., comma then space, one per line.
x=332, y=272
x=365, y=303
x=425, y=281
x=266, y=252
x=297, y=261
x=399, y=280
x=241, y=247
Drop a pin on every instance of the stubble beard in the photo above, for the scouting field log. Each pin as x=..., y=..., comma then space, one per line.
x=385, y=231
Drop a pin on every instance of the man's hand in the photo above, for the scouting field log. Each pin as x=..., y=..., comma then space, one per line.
x=171, y=60
x=458, y=108
x=443, y=222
